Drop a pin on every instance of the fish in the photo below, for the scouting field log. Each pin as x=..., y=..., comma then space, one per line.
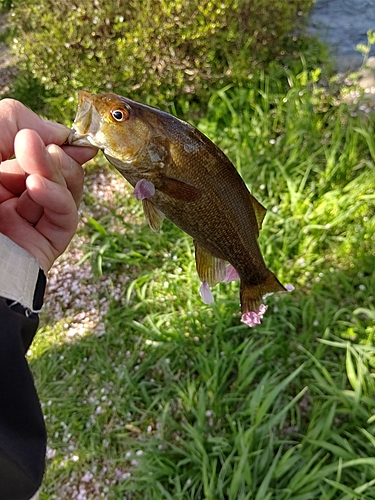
x=179, y=173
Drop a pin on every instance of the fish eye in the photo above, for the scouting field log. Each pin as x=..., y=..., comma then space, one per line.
x=119, y=115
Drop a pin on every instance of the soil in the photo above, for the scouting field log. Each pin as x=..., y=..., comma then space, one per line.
x=8, y=66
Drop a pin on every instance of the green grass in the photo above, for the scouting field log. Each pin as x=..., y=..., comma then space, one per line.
x=179, y=400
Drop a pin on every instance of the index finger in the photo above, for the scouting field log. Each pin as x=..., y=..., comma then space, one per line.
x=14, y=116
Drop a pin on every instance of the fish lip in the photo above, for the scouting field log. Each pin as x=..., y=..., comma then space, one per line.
x=77, y=139
x=86, y=123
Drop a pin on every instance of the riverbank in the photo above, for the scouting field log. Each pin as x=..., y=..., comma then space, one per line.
x=343, y=24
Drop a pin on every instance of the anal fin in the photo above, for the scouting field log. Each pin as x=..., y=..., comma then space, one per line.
x=210, y=269
x=153, y=215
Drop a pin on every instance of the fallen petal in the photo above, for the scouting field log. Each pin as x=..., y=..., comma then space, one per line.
x=262, y=309
x=231, y=274
x=250, y=319
x=144, y=189
x=289, y=287
x=206, y=293
x=253, y=318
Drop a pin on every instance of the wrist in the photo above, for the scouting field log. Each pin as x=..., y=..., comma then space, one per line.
x=21, y=278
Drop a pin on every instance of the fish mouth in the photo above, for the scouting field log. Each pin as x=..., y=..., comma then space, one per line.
x=76, y=139
x=86, y=123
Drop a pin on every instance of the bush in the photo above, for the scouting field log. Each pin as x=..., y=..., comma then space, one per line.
x=156, y=51
x=5, y=5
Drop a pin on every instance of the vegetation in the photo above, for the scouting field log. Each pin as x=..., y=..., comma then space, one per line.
x=168, y=398
x=179, y=400
x=163, y=52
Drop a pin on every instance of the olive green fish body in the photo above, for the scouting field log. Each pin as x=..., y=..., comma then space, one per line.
x=196, y=186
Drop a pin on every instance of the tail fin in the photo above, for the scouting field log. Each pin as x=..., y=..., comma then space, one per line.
x=251, y=295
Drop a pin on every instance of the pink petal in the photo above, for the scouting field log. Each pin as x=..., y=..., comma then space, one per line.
x=289, y=287
x=231, y=274
x=206, y=293
x=250, y=319
x=262, y=309
x=253, y=318
x=144, y=189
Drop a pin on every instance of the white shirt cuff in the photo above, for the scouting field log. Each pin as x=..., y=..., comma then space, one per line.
x=18, y=273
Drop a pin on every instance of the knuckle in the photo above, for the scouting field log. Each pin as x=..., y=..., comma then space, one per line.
x=10, y=106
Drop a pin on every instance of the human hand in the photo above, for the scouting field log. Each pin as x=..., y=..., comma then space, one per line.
x=40, y=189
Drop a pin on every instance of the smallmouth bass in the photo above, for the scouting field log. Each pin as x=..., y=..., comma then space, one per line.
x=180, y=174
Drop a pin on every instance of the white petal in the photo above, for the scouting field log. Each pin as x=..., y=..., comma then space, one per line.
x=206, y=293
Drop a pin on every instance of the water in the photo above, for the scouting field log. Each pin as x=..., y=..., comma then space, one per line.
x=343, y=24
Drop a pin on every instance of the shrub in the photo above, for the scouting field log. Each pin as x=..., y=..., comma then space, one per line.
x=158, y=51
x=5, y=5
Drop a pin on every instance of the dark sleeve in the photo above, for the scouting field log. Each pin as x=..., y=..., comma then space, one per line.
x=22, y=429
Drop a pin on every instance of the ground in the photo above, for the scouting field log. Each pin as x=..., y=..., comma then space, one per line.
x=8, y=67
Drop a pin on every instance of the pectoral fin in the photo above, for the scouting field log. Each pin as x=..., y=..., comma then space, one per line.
x=259, y=210
x=153, y=215
x=178, y=189
x=210, y=269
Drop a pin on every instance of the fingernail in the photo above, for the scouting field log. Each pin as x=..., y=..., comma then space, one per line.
x=65, y=161
x=52, y=148
x=68, y=163
x=43, y=182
